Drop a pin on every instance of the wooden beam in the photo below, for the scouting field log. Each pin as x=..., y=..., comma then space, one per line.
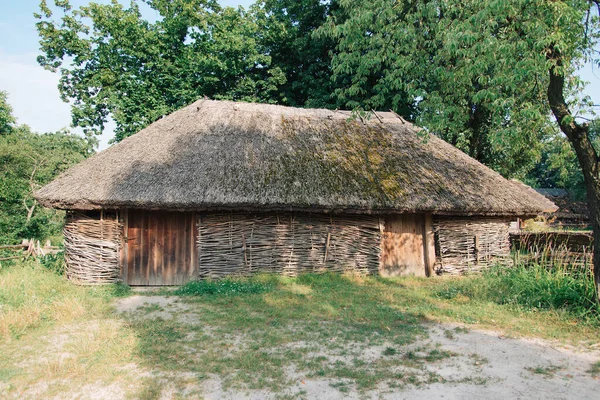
x=429, y=245
x=123, y=256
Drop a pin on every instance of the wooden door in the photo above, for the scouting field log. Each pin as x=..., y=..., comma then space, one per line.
x=160, y=248
x=403, y=246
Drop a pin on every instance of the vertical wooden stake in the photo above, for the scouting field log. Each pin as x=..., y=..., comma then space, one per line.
x=429, y=245
x=476, y=250
x=327, y=247
x=244, y=249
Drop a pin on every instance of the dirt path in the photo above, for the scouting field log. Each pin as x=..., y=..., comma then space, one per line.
x=479, y=364
x=509, y=369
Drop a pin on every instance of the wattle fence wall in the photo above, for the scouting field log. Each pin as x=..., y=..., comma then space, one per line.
x=469, y=245
x=240, y=244
x=92, y=248
x=573, y=249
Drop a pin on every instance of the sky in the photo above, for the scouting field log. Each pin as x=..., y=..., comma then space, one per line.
x=33, y=91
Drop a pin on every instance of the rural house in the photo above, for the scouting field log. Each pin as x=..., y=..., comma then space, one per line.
x=220, y=188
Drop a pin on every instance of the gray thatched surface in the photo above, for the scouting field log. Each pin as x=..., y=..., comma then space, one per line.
x=219, y=155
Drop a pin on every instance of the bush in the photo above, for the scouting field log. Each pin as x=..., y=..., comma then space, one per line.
x=53, y=262
x=531, y=288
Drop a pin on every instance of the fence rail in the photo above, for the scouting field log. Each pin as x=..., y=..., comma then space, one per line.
x=28, y=248
x=573, y=249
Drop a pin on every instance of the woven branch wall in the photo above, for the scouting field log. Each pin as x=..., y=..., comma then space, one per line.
x=241, y=244
x=92, y=249
x=470, y=244
x=551, y=249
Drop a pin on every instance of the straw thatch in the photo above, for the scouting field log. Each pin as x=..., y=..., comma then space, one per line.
x=219, y=155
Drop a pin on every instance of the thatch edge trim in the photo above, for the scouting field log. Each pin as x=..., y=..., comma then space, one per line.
x=84, y=205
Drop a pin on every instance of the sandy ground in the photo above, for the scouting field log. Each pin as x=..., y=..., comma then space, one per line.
x=487, y=365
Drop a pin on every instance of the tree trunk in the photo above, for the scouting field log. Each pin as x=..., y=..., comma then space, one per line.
x=578, y=135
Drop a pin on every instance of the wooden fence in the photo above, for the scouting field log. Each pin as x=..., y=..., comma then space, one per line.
x=573, y=249
x=28, y=248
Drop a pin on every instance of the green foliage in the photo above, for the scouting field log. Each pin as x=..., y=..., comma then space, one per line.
x=532, y=288
x=225, y=287
x=558, y=166
x=113, y=62
x=6, y=117
x=53, y=262
x=287, y=27
x=27, y=161
x=474, y=72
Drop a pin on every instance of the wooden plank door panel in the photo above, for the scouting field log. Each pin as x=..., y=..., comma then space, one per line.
x=403, y=245
x=161, y=248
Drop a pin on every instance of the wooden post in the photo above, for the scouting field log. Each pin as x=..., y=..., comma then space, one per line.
x=244, y=250
x=476, y=240
x=326, y=248
x=429, y=245
x=124, y=250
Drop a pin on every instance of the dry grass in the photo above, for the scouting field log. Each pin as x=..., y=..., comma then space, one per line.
x=32, y=297
x=54, y=334
x=357, y=333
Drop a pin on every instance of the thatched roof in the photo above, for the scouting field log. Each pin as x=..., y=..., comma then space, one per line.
x=220, y=155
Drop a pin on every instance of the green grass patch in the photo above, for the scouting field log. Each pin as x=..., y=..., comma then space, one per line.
x=531, y=288
x=594, y=369
x=548, y=370
x=266, y=332
x=224, y=287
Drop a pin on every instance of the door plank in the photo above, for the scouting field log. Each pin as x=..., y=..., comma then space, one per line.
x=161, y=248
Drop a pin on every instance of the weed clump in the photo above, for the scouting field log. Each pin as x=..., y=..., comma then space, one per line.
x=531, y=288
x=226, y=287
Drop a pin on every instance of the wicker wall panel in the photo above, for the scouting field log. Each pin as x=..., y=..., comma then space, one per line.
x=290, y=244
x=92, y=248
x=464, y=245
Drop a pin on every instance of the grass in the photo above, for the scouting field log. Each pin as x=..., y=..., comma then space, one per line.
x=53, y=333
x=225, y=287
x=547, y=371
x=267, y=332
x=531, y=288
x=595, y=369
x=32, y=296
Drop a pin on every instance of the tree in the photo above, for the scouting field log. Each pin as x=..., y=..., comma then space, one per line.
x=28, y=161
x=115, y=63
x=559, y=168
x=287, y=28
x=452, y=66
x=483, y=74
x=6, y=117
